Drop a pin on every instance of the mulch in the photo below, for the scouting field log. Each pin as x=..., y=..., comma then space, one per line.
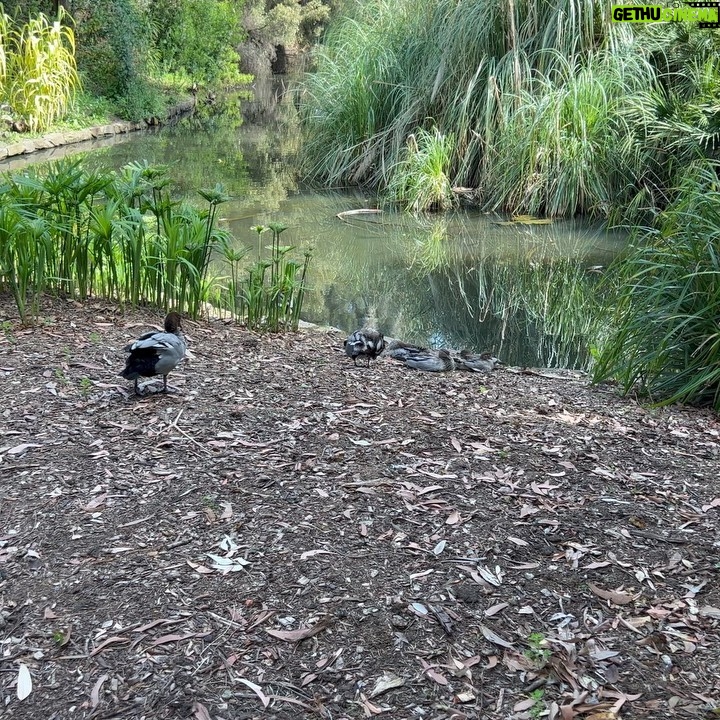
x=289, y=536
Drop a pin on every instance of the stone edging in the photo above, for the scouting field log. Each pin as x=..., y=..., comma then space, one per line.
x=57, y=139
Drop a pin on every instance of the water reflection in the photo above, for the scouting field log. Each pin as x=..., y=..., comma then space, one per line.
x=527, y=292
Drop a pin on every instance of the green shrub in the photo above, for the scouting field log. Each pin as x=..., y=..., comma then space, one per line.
x=198, y=37
x=113, y=44
x=420, y=180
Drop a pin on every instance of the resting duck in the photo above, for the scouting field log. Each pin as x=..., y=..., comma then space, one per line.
x=431, y=361
x=399, y=350
x=155, y=353
x=477, y=363
x=369, y=343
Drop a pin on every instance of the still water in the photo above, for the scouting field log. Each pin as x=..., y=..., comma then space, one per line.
x=463, y=279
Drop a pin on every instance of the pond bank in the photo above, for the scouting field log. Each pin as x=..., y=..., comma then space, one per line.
x=447, y=543
x=26, y=146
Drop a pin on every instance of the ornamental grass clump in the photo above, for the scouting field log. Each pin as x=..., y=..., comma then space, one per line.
x=420, y=181
x=37, y=69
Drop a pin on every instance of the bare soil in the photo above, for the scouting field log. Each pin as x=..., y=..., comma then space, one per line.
x=288, y=536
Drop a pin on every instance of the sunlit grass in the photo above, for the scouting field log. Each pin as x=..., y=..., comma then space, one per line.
x=37, y=62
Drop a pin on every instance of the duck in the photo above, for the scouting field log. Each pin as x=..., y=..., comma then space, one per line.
x=486, y=362
x=369, y=343
x=155, y=353
x=399, y=350
x=431, y=361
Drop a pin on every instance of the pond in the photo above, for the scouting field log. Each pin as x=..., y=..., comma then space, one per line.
x=528, y=292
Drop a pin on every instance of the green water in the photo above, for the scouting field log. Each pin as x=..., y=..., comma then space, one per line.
x=464, y=279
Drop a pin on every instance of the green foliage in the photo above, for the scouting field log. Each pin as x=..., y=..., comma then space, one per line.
x=269, y=303
x=420, y=181
x=291, y=24
x=118, y=236
x=665, y=335
x=140, y=100
x=199, y=38
x=538, y=652
x=113, y=44
x=122, y=236
x=38, y=77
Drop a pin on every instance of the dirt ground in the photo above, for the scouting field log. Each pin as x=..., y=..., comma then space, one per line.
x=288, y=536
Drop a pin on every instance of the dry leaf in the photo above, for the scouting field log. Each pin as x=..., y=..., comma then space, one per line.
x=297, y=635
x=95, y=694
x=495, y=609
x=200, y=712
x=312, y=553
x=109, y=641
x=18, y=449
x=387, y=681
x=24, y=682
x=615, y=596
x=264, y=699
x=495, y=638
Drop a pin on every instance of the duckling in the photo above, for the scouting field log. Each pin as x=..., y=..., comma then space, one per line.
x=399, y=350
x=431, y=361
x=369, y=343
x=477, y=363
x=155, y=353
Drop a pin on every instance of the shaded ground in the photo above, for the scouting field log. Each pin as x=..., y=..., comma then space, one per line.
x=448, y=546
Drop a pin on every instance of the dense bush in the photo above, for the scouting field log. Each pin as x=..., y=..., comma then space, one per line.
x=113, y=44
x=198, y=38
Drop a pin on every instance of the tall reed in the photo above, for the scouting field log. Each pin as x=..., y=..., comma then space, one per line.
x=553, y=109
x=273, y=303
x=664, y=337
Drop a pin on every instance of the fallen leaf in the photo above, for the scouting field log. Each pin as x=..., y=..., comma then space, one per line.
x=710, y=612
x=22, y=448
x=495, y=638
x=439, y=547
x=24, y=682
x=312, y=553
x=615, y=596
x=200, y=712
x=109, y=641
x=95, y=694
x=264, y=699
x=495, y=609
x=198, y=567
x=297, y=635
x=387, y=681
x=436, y=676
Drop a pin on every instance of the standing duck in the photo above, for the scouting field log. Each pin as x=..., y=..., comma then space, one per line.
x=369, y=343
x=477, y=363
x=155, y=353
x=431, y=361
